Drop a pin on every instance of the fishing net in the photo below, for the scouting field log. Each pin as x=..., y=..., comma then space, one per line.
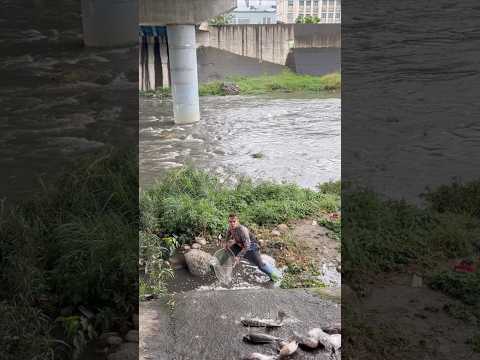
x=223, y=263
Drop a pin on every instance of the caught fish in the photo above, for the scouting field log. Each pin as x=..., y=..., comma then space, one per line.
x=309, y=342
x=336, y=340
x=258, y=356
x=268, y=323
x=288, y=348
x=329, y=342
x=260, y=338
x=333, y=329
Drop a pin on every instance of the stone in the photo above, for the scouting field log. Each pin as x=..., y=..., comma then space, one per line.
x=230, y=89
x=126, y=351
x=283, y=228
x=196, y=246
x=198, y=262
x=417, y=281
x=261, y=243
x=135, y=320
x=132, y=336
x=186, y=247
x=201, y=240
x=314, y=222
x=113, y=340
x=106, y=335
x=275, y=233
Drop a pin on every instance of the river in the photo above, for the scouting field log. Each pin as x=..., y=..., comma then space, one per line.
x=292, y=138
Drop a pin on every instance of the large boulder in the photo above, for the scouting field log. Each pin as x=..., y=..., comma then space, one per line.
x=198, y=262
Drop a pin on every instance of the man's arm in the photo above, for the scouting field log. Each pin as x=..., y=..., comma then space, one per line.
x=245, y=237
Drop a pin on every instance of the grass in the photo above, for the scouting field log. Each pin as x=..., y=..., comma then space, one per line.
x=189, y=202
x=385, y=235
x=74, y=244
x=284, y=82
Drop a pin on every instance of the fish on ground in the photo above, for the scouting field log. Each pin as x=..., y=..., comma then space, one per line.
x=260, y=338
x=333, y=329
x=258, y=356
x=316, y=337
x=268, y=323
x=288, y=348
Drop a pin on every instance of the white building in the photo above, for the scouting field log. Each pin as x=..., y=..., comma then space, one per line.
x=328, y=11
x=255, y=12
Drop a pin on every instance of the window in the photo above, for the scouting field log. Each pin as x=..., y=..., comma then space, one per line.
x=337, y=16
x=324, y=16
x=309, y=2
x=290, y=3
x=302, y=2
x=290, y=18
x=330, y=15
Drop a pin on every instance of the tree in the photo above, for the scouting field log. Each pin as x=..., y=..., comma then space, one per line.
x=308, y=19
x=221, y=20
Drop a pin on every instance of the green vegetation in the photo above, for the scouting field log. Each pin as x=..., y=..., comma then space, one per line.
x=221, y=20
x=284, y=82
x=307, y=19
x=189, y=202
x=385, y=235
x=73, y=245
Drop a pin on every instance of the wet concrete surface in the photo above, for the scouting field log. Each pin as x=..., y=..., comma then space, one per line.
x=206, y=324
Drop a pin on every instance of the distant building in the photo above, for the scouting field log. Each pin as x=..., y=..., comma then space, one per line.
x=328, y=11
x=255, y=12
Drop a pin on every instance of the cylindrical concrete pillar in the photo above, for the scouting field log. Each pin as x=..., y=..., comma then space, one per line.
x=110, y=22
x=183, y=68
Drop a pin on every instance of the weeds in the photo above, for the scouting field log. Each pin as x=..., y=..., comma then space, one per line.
x=74, y=244
x=286, y=81
x=189, y=202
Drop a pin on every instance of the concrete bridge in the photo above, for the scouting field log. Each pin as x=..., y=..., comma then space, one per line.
x=282, y=44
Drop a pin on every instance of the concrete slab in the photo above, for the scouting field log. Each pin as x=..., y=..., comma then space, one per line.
x=154, y=12
x=206, y=324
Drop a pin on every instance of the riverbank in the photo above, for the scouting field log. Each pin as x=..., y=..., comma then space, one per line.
x=189, y=203
x=398, y=262
x=285, y=82
x=69, y=261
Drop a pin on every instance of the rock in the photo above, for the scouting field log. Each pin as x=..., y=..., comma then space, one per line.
x=196, y=246
x=230, y=89
x=417, y=281
x=135, y=320
x=314, y=222
x=198, y=262
x=126, y=351
x=132, y=336
x=186, y=247
x=283, y=228
x=201, y=240
x=275, y=233
x=113, y=340
x=106, y=335
x=261, y=243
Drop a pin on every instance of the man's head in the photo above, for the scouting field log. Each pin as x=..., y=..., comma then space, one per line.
x=233, y=221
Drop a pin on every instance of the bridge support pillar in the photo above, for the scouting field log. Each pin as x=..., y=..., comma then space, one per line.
x=183, y=70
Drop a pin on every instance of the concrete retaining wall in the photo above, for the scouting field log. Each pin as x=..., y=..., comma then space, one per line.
x=271, y=43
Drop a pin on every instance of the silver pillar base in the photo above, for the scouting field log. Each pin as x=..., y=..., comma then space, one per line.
x=183, y=68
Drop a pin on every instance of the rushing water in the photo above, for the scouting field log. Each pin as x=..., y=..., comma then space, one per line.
x=295, y=139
